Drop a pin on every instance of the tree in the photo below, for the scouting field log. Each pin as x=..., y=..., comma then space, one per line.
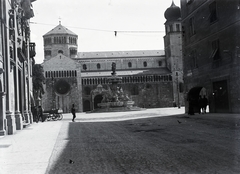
x=38, y=81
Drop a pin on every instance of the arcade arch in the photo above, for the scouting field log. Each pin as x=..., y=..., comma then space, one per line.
x=193, y=97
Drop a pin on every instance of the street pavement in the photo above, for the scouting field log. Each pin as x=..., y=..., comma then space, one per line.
x=163, y=140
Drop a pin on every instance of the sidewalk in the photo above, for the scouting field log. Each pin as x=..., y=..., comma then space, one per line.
x=29, y=150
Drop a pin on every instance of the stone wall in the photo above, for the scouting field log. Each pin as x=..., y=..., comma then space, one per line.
x=145, y=95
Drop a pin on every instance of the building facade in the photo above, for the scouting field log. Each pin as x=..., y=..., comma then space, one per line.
x=145, y=77
x=149, y=77
x=63, y=74
x=16, y=58
x=211, y=53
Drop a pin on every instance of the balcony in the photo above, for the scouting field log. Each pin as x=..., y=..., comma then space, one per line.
x=32, y=51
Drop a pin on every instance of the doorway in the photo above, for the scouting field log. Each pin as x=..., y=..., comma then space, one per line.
x=192, y=98
x=220, y=96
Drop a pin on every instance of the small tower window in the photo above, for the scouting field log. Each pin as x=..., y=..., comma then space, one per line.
x=192, y=28
x=171, y=28
x=129, y=64
x=213, y=11
x=159, y=63
x=84, y=66
x=73, y=51
x=145, y=64
x=98, y=66
x=178, y=27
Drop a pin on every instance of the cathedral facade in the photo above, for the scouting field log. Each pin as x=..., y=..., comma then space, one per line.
x=145, y=77
x=151, y=78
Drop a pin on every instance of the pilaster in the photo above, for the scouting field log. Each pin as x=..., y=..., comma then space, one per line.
x=3, y=120
x=30, y=117
x=27, y=117
x=19, y=121
x=11, y=123
x=2, y=132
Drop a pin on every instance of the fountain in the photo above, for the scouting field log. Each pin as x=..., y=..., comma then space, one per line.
x=114, y=98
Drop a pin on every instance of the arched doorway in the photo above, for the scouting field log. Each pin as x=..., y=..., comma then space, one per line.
x=193, y=97
x=86, y=105
x=97, y=99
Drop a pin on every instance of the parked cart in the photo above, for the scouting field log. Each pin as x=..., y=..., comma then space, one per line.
x=54, y=114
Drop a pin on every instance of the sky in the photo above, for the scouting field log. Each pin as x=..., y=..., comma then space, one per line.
x=139, y=23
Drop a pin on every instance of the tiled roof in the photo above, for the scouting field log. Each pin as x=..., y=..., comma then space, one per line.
x=115, y=54
x=60, y=30
x=160, y=71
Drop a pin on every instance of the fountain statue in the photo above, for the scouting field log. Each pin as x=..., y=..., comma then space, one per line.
x=114, y=98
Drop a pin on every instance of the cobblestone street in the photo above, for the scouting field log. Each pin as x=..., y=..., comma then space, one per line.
x=149, y=142
x=175, y=144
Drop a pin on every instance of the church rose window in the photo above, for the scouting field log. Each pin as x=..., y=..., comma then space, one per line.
x=62, y=87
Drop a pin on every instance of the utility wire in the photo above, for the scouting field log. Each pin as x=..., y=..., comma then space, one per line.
x=115, y=32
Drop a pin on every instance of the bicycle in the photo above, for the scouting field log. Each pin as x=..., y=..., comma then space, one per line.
x=55, y=115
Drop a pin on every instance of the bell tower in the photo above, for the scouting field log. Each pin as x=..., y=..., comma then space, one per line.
x=173, y=50
x=60, y=40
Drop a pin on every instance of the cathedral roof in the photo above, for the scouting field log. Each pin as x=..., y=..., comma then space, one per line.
x=172, y=13
x=60, y=30
x=122, y=54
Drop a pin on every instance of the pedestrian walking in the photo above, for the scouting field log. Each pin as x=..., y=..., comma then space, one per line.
x=73, y=111
x=205, y=103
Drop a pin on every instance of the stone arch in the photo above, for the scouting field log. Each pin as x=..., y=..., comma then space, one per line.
x=192, y=99
x=60, y=51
